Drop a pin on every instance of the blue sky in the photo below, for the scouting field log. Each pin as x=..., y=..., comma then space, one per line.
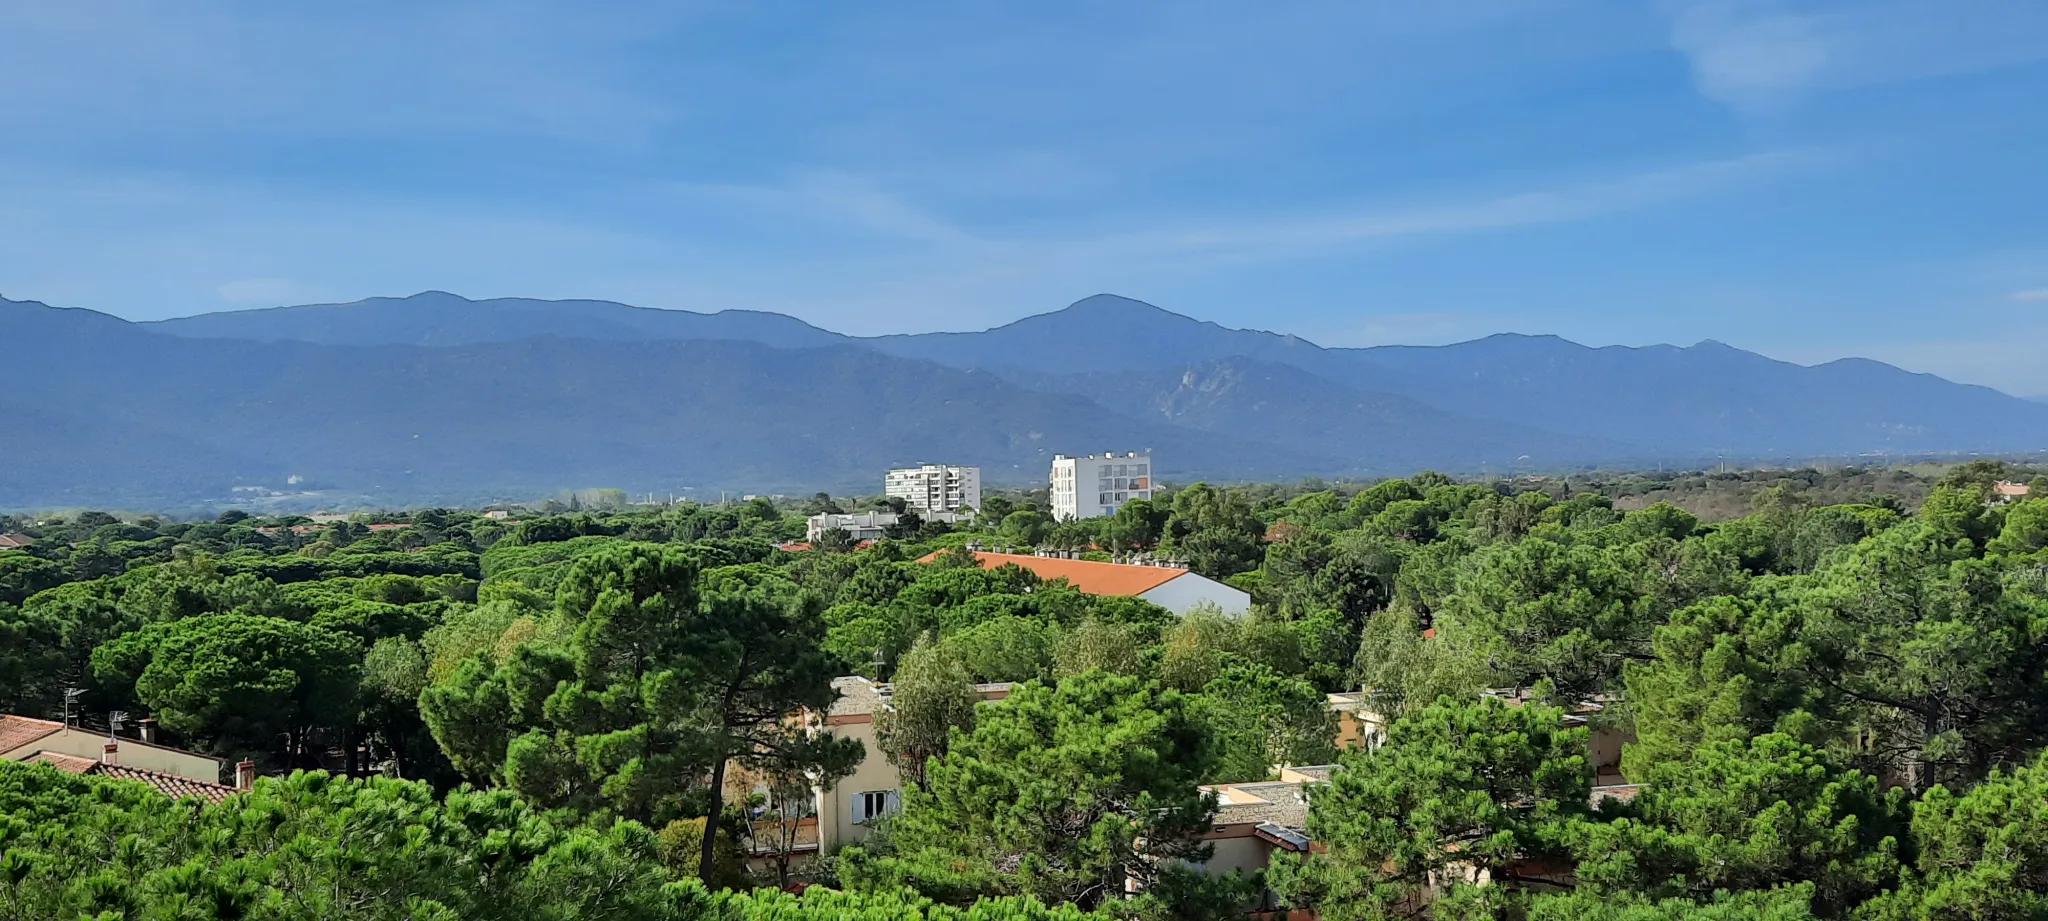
x=1810, y=180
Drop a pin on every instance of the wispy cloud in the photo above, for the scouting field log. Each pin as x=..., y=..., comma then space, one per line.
x=2031, y=294
x=1761, y=54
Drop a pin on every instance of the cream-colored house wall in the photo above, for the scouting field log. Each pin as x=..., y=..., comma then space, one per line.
x=82, y=744
x=836, y=828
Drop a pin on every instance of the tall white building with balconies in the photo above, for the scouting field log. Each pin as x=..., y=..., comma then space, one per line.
x=1095, y=485
x=930, y=488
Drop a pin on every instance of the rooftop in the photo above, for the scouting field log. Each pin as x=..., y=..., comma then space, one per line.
x=1086, y=575
x=861, y=696
x=1277, y=802
x=170, y=785
x=17, y=731
x=15, y=540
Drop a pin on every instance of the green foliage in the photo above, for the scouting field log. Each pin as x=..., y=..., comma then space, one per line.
x=930, y=698
x=1261, y=719
x=1463, y=787
x=1981, y=853
x=1745, y=816
x=1060, y=792
x=236, y=683
x=313, y=845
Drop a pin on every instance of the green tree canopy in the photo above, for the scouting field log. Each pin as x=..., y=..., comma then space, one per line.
x=1063, y=792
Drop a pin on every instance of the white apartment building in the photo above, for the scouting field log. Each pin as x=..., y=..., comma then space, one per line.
x=1095, y=485
x=935, y=487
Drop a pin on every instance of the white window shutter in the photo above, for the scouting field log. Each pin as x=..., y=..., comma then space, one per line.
x=895, y=801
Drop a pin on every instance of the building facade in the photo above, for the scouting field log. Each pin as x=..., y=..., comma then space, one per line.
x=869, y=525
x=1097, y=484
x=932, y=488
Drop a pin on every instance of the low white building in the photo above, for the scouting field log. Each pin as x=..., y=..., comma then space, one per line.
x=869, y=525
x=1096, y=484
x=935, y=487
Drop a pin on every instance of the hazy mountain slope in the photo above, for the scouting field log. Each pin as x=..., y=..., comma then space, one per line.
x=1712, y=398
x=56, y=459
x=1281, y=404
x=1680, y=403
x=1107, y=333
x=527, y=417
x=438, y=318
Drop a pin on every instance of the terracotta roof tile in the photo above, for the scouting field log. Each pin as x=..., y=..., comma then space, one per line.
x=17, y=731
x=170, y=785
x=1086, y=575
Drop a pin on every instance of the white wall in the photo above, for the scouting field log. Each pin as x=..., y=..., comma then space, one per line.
x=1183, y=592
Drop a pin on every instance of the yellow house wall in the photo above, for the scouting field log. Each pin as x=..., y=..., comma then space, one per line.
x=835, y=806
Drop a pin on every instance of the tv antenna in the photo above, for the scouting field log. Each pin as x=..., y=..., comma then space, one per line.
x=114, y=722
x=70, y=694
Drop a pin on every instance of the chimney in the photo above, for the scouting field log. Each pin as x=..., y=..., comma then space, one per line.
x=109, y=753
x=146, y=729
x=245, y=775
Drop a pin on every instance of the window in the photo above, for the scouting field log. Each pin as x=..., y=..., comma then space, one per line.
x=1102, y=499
x=1120, y=497
x=873, y=805
x=1138, y=470
x=1119, y=471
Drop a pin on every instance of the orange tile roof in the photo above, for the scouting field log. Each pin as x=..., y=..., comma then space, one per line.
x=17, y=731
x=1087, y=575
x=170, y=785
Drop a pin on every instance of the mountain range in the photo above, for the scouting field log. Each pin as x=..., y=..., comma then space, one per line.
x=438, y=398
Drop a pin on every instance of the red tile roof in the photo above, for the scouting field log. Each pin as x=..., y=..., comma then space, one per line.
x=17, y=731
x=15, y=540
x=1087, y=575
x=170, y=785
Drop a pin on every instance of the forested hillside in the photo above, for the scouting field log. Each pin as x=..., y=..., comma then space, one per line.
x=1832, y=710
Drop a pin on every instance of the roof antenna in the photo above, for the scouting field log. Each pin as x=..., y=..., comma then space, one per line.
x=70, y=694
x=114, y=722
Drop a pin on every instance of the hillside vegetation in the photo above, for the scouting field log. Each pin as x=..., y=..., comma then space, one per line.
x=1836, y=710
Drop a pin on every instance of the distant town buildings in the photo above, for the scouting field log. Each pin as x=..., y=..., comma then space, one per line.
x=935, y=487
x=869, y=525
x=1097, y=484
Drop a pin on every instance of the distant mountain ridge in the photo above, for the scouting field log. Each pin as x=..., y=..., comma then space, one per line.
x=435, y=394
x=437, y=318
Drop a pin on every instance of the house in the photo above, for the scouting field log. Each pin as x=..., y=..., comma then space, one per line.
x=1171, y=587
x=1255, y=820
x=875, y=788
x=23, y=738
x=21, y=541
x=171, y=785
x=2006, y=491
